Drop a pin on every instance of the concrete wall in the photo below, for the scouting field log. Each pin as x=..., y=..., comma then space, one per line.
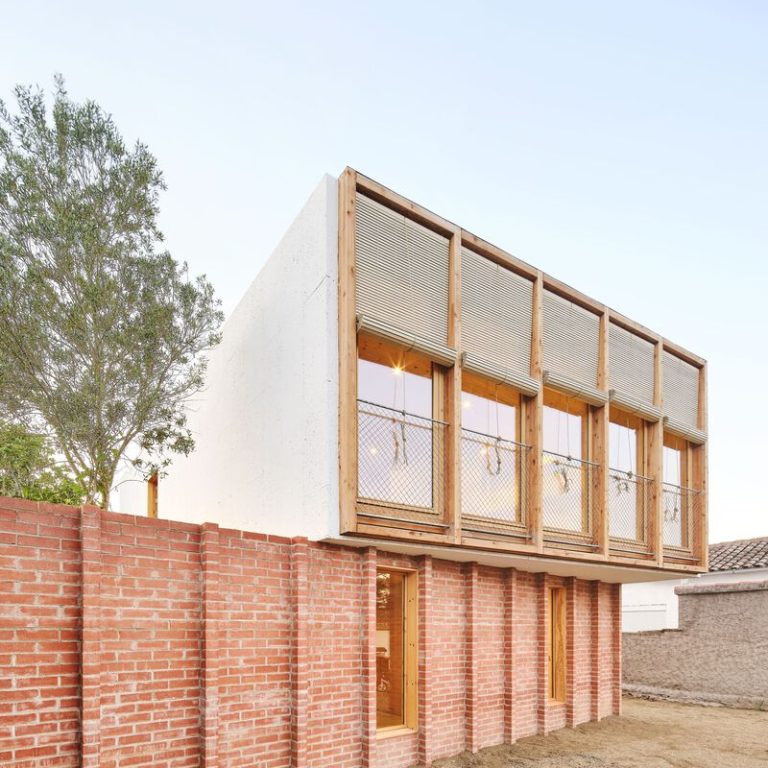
x=266, y=425
x=127, y=641
x=719, y=652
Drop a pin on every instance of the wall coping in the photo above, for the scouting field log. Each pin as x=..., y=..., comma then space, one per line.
x=718, y=589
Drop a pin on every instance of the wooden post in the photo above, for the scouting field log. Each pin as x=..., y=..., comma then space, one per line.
x=453, y=395
x=534, y=431
x=701, y=474
x=600, y=452
x=347, y=353
x=656, y=460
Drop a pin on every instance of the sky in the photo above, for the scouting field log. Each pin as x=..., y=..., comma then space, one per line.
x=621, y=147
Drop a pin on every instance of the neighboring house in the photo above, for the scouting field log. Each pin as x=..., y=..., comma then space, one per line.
x=651, y=606
x=493, y=451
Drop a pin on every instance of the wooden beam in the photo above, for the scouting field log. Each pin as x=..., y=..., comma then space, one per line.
x=453, y=393
x=347, y=354
x=701, y=472
x=656, y=460
x=600, y=452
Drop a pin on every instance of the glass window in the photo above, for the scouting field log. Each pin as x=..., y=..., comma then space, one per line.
x=626, y=484
x=491, y=458
x=565, y=492
x=395, y=435
x=675, y=498
x=395, y=649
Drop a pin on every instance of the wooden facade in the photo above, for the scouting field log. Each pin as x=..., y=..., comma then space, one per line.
x=445, y=523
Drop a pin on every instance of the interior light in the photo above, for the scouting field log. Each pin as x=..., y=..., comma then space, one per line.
x=466, y=404
x=397, y=370
x=373, y=450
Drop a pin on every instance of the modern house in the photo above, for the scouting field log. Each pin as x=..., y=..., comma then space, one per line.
x=494, y=452
x=654, y=605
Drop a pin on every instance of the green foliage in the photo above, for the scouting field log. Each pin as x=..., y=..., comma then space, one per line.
x=102, y=333
x=28, y=469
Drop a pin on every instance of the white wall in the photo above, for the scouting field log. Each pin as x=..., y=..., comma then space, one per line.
x=266, y=426
x=654, y=605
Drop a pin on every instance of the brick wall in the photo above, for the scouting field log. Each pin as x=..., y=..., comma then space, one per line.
x=718, y=654
x=135, y=642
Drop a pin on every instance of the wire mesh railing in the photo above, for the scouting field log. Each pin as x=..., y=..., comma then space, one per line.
x=629, y=502
x=567, y=494
x=681, y=510
x=400, y=459
x=493, y=481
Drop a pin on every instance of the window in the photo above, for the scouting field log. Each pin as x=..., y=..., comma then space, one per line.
x=676, y=494
x=400, y=442
x=566, y=470
x=396, y=649
x=556, y=643
x=492, y=459
x=628, y=488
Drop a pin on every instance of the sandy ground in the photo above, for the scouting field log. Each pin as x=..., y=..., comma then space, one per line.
x=649, y=734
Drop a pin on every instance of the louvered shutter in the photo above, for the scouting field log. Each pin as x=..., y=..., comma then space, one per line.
x=681, y=398
x=631, y=372
x=571, y=348
x=402, y=276
x=496, y=307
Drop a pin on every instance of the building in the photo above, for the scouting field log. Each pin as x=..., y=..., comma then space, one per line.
x=491, y=452
x=654, y=605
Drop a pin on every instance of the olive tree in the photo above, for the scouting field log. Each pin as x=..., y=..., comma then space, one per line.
x=102, y=332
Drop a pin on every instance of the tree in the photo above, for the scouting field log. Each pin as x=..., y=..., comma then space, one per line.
x=102, y=333
x=29, y=470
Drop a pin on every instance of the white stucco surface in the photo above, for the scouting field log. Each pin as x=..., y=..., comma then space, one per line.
x=266, y=424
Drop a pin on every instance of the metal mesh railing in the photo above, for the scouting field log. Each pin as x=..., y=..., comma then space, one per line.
x=493, y=480
x=400, y=458
x=629, y=499
x=567, y=494
x=681, y=510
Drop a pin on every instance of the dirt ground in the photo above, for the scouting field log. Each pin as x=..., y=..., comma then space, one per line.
x=650, y=734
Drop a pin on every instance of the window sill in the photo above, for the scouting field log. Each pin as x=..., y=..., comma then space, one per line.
x=392, y=731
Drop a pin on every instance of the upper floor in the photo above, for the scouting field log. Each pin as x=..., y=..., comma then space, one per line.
x=390, y=379
x=485, y=404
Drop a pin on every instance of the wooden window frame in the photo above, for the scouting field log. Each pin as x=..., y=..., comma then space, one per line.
x=382, y=352
x=687, y=483
x=556, y=644
x=410, y=656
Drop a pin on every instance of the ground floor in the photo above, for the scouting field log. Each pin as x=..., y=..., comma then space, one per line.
x=144, y=642
x=650, y=734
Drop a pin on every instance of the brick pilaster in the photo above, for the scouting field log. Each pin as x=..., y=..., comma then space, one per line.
x=541, y=656
x=472, y=641
x=90, y=649
x=300, y=654
x=595, y=652
x=426, y=665
x=616, y=647
x=211, y=606
x=510, y=589
x=570, y=652
x=368, y=603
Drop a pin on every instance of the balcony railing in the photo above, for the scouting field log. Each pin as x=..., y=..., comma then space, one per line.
x=567, y=496
x=629, y=500
x=681, y=508
x=493, y=483
x=400, y=462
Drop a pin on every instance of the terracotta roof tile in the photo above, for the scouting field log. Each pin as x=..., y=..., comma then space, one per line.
x=739, y=555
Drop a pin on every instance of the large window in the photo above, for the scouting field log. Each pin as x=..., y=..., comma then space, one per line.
x=399, y=442
x=566, y=469
x=556, y=643
x=676, y=496
x=396, y=649
x=628, y=487
x=492, y=458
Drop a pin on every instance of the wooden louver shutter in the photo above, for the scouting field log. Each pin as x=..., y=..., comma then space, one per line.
x=681, y=397
x=402, y=275
x=571, y=348
x=631, y=372
x=496, y=307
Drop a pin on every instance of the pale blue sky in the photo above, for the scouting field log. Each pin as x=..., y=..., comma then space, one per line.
x=622, y=147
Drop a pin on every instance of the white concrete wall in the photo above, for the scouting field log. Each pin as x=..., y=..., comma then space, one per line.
x=654, y=605
x=266, y=425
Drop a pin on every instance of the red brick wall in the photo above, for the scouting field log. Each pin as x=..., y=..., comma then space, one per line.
x=134, y=642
